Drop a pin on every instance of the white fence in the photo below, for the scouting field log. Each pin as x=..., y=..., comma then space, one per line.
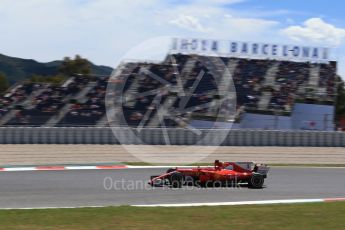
x=98, y=135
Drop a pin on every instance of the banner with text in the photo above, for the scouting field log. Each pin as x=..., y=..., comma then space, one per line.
x=250, y=50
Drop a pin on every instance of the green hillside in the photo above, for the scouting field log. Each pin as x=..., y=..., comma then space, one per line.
x=17, y=69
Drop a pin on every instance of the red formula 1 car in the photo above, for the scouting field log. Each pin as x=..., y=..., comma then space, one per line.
x=222, y=173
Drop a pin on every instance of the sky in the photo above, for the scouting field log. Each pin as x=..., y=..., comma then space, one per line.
x=105, y=30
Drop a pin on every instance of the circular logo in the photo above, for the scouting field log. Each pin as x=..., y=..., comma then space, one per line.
x=166, y=111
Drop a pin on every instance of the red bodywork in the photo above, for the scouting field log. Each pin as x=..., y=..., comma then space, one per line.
x=227, y=171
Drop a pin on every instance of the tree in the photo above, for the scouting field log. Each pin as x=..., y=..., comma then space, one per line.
x=3, y=83
x=77, y=66
x=340, y=103
x=56, y=79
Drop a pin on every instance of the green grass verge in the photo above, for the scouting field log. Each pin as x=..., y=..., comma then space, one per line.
x=279, y=217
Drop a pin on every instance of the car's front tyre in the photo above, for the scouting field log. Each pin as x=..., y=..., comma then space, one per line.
x=176, y=180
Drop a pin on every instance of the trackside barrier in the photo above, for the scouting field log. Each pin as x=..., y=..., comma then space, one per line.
x=105, y=135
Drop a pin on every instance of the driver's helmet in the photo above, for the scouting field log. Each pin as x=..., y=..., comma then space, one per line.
x=218, y=164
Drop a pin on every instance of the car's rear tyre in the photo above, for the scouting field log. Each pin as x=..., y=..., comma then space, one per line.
x=256, y=181
x=176, y=180
x=189, y=181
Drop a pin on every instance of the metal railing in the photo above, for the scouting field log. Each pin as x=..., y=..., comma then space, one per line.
x=105, y=135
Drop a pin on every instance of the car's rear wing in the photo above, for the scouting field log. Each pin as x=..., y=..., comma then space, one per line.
x=263, y=169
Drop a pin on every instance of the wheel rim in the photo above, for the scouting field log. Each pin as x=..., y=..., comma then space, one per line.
x=257, y=181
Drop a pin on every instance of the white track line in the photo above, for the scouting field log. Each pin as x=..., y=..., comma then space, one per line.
x=85, y=167
x=19, y=169
x=260, y=202
x=89, y=167
x=79, y=167
x=62, y=168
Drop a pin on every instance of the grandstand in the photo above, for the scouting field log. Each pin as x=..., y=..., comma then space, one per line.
x=272, y=90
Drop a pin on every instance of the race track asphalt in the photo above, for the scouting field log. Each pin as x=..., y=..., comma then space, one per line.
x=128, y=187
